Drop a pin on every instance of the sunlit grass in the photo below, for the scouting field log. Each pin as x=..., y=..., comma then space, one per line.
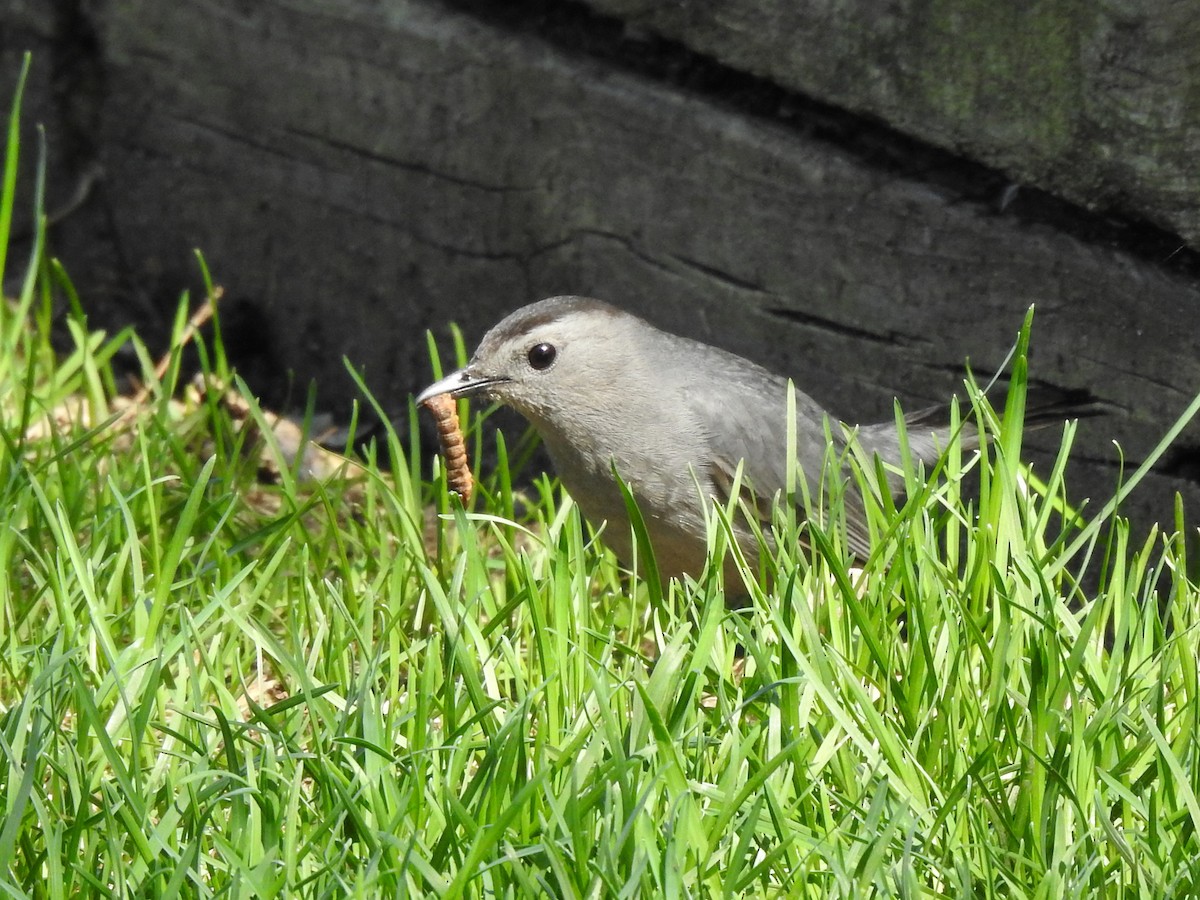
x=214, y=686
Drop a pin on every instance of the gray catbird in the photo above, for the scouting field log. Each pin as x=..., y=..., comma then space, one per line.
x=606, y=390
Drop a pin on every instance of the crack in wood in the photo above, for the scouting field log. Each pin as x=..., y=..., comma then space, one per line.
x=891, y=339
x=404, y=165
x=720, y=275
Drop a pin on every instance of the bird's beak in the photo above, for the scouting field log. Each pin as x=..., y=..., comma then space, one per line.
x=459, y=384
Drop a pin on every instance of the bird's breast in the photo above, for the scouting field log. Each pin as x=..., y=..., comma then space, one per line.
x=670, y=489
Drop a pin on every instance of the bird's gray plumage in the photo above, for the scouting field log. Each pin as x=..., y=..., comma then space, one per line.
x=669, y=413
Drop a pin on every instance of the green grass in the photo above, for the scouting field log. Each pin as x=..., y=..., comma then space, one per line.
x=214, y=687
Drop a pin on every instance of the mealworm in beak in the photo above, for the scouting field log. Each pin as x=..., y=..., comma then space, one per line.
x=454, y=448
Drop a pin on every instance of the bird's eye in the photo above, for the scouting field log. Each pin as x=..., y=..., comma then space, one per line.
x=541, y=356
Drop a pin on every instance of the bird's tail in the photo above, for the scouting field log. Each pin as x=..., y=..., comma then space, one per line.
x=930, y=430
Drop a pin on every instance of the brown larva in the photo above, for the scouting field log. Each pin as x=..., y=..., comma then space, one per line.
x=454, y=449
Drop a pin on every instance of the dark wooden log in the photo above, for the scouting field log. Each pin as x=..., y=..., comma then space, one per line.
x=357, y=173
x=1095, y=102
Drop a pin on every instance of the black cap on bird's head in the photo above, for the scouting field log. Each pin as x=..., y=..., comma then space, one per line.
x=539, y=355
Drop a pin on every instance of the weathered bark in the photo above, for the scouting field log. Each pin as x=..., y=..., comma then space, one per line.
x=1095, y=102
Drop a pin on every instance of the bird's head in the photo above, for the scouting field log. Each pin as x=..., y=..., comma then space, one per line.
x=549, y=359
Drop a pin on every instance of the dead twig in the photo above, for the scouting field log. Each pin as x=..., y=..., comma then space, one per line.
x=197, y=320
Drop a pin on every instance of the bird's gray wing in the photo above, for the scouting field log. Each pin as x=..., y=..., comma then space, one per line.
x=743, y=411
